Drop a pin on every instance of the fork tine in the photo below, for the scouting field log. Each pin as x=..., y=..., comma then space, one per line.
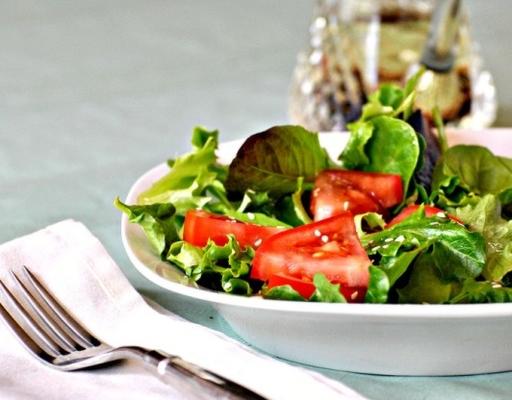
x=52, y=329
x=27, y=341
x=72, y=327
x=26, y=322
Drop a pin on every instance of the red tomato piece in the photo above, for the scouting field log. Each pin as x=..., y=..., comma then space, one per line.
x=430, y=211
x=339, y=190
x=330, y=246
x=333, y=200
x=200, y=226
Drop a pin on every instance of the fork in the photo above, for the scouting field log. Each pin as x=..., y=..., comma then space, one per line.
x=58, y=340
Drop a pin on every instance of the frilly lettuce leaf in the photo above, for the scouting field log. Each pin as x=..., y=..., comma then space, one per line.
x=485, y=217
x=216, y=267
x=157, y=220
x=194, y=180
x=482, y=292
x=466, y=172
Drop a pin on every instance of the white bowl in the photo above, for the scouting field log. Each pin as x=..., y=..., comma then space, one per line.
x=384, y=339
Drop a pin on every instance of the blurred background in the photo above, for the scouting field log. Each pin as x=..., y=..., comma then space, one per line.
x=118, y=85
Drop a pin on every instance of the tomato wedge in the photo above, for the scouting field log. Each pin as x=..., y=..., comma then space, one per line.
x=333, y=200
x=430, y=211
x=339, y=190
x=200, y=226
x=330, y=246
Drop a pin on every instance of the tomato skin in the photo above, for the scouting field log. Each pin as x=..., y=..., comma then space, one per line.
x=200, y=226
x=430, y=211
x=334, y=200
x=330, y=246
x=339, y=190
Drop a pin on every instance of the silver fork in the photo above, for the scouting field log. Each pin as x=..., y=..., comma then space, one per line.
x=55, y=338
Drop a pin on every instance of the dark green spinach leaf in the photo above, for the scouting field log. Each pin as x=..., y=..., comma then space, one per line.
x=383, y=144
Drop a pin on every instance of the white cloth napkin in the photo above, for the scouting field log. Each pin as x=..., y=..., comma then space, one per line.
x=77, y=269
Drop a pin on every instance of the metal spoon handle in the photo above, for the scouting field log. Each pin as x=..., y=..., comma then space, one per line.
x=438, y=54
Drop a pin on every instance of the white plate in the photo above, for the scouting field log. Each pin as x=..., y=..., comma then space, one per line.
x=372, y=338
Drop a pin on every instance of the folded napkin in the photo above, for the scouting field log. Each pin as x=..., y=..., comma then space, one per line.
x=77, y=269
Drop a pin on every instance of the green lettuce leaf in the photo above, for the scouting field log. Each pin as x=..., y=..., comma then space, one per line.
x=465, y=172
x=368, y=223
x=194, y=180
x=482, y=292
x=383, y=144
x=425, y=285
x=326, y=292
x=290, y=208
x=392, y=100
x=456, y=253
x=354, y=154
x=216, y=267
x=378, y=287
x=157, y=220
x=284, y=292
x=485, y=217
x=273, y=160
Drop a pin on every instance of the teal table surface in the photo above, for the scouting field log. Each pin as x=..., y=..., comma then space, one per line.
x=94, y=93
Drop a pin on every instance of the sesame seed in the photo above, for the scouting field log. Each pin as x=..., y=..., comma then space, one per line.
x=354, y=295
x=317, y=233
x=346, y=205
x=441, y=214
x=400, y=239
x=324, y=238
x=388, y=240
x=495, y=285
x=385, y=246
x=258, y=242
x=318, y=254
x=250, y=216
x=376, y=248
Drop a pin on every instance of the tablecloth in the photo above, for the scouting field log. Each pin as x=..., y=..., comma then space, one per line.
x=94, y=93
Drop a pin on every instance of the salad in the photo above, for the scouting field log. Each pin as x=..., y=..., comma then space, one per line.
x=399, y=217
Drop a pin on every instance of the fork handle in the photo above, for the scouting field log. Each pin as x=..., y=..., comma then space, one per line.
x=207, y=384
